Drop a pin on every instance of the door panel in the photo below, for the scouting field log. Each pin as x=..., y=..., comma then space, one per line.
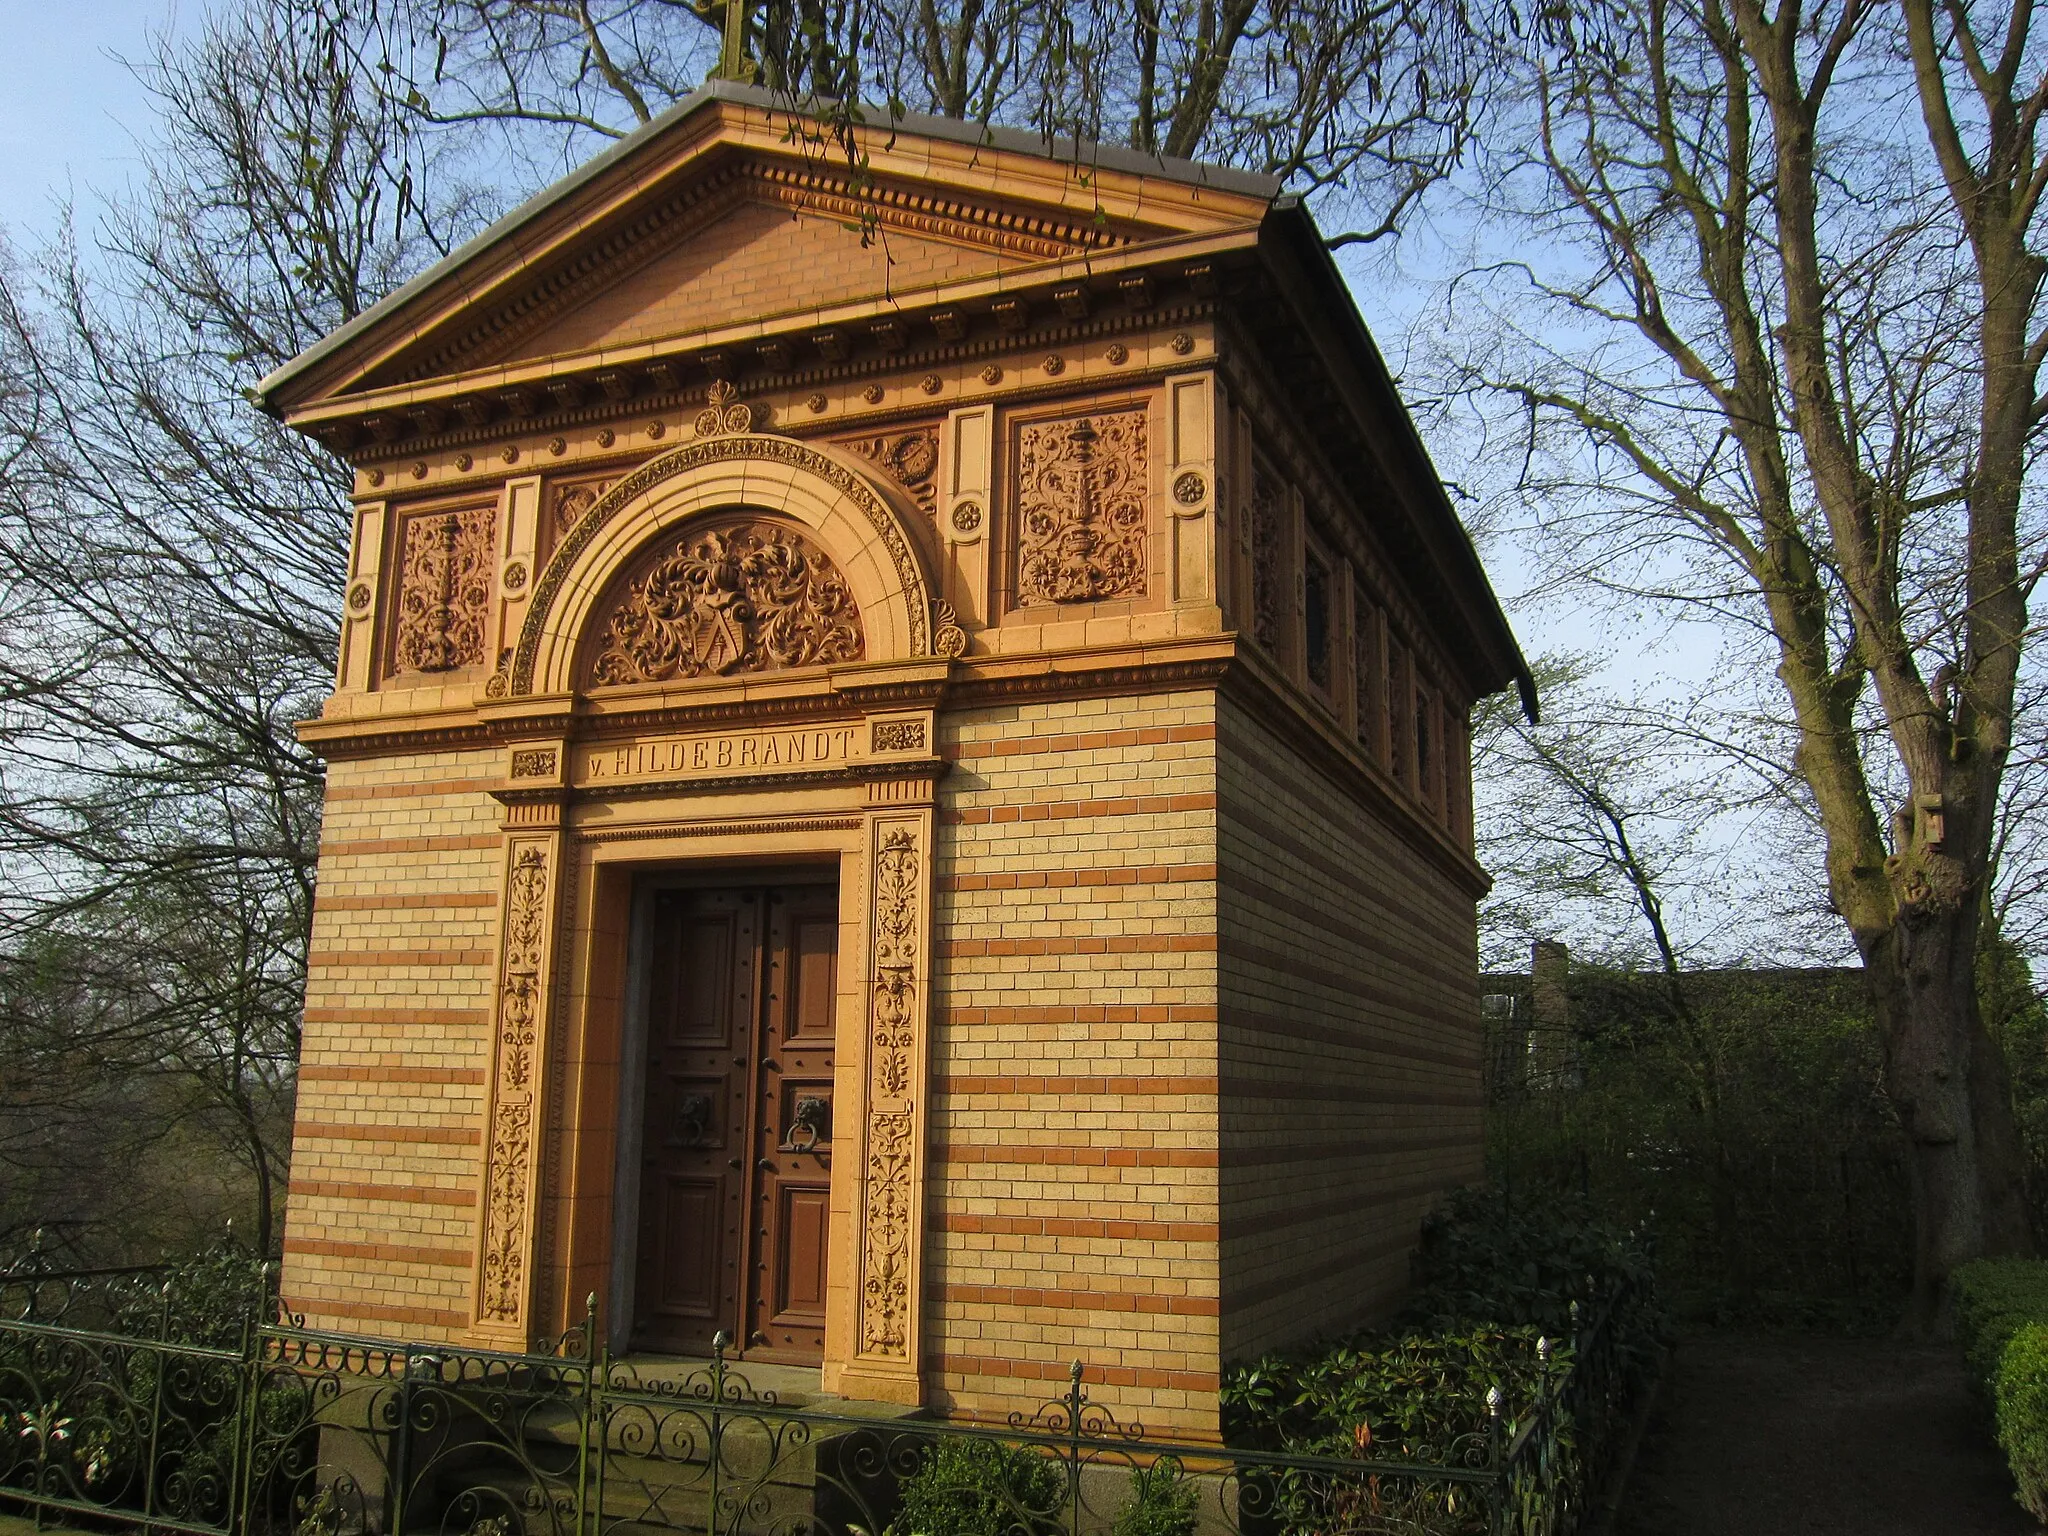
x=736, y=1176
x=800, y=1267
x=793, y=1136
x=689, y=1238
x=702, y=1000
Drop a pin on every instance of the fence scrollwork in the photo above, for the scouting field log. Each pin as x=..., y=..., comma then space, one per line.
x=113, y=1405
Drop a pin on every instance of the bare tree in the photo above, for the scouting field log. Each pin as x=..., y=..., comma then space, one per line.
x=1371, y=101
x=1773, y=342
x=169, y=564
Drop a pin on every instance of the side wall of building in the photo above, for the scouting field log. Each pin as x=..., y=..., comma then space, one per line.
x=380, y=1230
x=1072, y=1209
x=1348, y=1043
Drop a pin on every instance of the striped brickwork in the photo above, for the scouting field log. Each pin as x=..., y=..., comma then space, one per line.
x=1349, y=1042
x=1073, y=1171
x=381, y=1226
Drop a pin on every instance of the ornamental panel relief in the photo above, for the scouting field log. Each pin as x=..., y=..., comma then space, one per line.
x=570, y=499
x=909, y=457
x=1081, y=485
x=445, y=561
x=508, y=1193
x=742, y=596
x=889, y=1221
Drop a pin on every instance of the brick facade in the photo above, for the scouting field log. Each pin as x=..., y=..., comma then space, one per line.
x=1085, y=610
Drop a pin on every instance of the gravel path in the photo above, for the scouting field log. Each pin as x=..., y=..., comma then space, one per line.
x=1801, y=1436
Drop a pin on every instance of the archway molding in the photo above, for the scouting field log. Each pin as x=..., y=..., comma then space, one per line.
x=854, y=519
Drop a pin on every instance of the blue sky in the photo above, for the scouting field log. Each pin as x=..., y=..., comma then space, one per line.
x=70, y=113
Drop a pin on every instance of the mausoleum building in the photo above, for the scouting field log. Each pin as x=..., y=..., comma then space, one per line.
x=898, y=782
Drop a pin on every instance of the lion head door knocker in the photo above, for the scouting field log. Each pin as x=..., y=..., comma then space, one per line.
x=810, y=1126
x=693, y=1119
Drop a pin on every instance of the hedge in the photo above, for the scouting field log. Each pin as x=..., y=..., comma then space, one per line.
x=2002, y=1321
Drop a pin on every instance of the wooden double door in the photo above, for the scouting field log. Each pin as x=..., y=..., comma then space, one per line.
x=736, y=1144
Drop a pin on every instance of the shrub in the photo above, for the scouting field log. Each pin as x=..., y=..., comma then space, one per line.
x=1484, y=1259
x=2002, y=1322
x=974, y=1487
x=1491, y=1278
x=1993, y=1298
x=1409, y=1396
x=2020, y=1392
x=1162, y=1502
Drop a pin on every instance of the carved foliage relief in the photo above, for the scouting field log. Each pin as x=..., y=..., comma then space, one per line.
x=508, y=1191
x=1269, y=534
x=886, y=1234
x=1081, y=508
x=740, y=597
x=445, y=564
x=574, y=498
x=909, y=458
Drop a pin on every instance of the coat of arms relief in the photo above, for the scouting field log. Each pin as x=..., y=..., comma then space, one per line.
x=742, y=597
x=1081, y=508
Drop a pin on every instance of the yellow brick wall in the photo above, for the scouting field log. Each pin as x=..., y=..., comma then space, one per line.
x=380, y=1227
x=1151, y=1149
x=1348, y=1044
x=1072, y=1184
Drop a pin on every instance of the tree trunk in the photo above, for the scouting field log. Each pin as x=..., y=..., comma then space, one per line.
x=1946, y=1080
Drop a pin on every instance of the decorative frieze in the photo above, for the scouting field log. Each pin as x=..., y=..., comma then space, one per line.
x=898, y=736
x=744, y=597
x=446, y=560
x=533, y=763
x=1081, y=508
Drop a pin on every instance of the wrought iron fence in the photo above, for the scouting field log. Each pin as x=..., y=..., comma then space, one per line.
x=291, y=1431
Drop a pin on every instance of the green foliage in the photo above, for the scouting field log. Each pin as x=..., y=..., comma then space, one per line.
x=2017, y=1019
x=1162, y=1502
x=1994, y=1298
x=1403, y=1396
x=2002, y=1321
x=975, y=1487
x=207, y=1299
x=1486, y=1256
x=2020, y=1393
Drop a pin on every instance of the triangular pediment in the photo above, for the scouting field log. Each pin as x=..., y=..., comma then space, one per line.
x=720, y=216
x=760, y=260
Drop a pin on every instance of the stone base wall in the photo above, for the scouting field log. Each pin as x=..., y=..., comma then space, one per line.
x=1349, y=1043
x=1073, y=1169
x=380, y=1231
